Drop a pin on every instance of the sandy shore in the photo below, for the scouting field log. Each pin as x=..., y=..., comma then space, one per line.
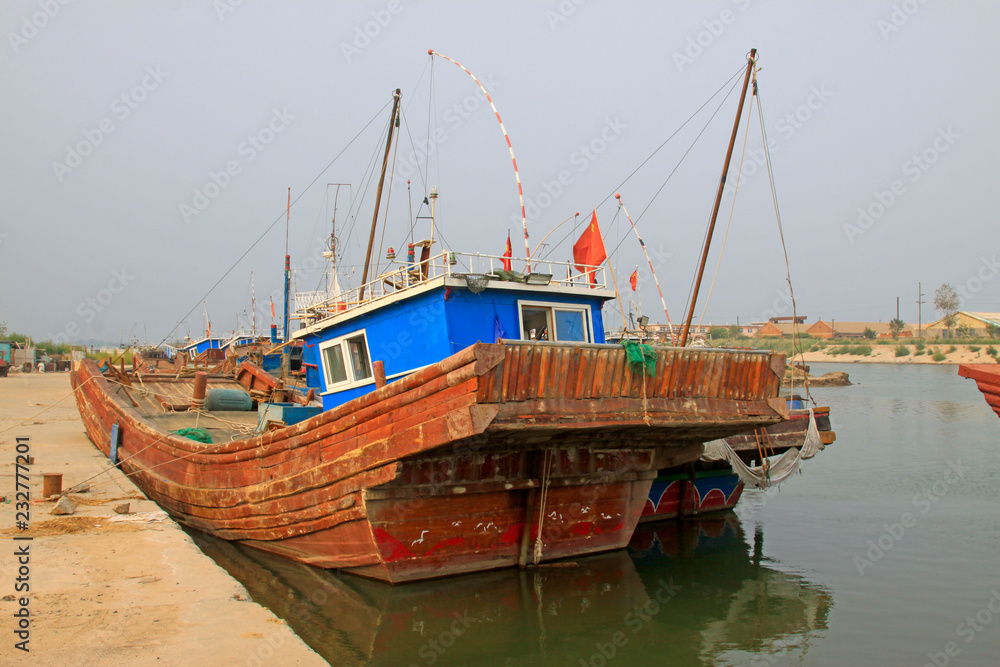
x=886, y=354
x=103, y=592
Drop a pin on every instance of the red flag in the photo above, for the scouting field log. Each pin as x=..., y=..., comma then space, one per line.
x=272, y=307
x=589, y=250
x=507, y=254
x=634, y=280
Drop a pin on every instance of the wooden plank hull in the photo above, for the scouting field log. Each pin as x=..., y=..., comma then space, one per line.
x=987, y=377
x=496, y=456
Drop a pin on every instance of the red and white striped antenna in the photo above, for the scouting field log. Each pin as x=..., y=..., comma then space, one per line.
x=517, y=176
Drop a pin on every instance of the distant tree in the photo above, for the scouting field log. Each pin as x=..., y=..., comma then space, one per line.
x=734, y=330
x=946, y=301
x=869, y=333
x=992, y=330
x=896, y=327
x=716, y=333
x=964, y=331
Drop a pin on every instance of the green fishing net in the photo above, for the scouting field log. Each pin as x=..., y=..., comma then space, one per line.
x=641, y=358
x=198, y=434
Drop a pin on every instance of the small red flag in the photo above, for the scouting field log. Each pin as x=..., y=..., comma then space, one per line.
x=272, y=307
x=589, y=250
x=507, y=254
x=634, y=280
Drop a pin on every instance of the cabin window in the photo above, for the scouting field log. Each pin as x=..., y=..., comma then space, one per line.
x=336, y=372
x=346, y=361
x=555, y=322
x=360, y=365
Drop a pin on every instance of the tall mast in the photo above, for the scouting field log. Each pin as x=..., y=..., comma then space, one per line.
x=288, y=265
x=378, y=194
x=751, y=61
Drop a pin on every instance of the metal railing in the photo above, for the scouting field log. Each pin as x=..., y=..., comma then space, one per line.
x=320, y=304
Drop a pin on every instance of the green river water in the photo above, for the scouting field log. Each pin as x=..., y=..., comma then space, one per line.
x=885, y=551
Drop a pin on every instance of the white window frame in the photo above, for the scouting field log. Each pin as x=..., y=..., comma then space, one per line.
x=351, y=382
x=573, y=307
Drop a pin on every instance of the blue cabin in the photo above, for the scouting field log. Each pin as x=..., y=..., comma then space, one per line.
x=194, y=348
x=426, y=311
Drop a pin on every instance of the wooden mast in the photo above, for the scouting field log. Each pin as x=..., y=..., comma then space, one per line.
x=378, y=193
x=718, y=197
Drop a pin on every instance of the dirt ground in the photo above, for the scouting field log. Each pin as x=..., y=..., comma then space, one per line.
x=107, y=591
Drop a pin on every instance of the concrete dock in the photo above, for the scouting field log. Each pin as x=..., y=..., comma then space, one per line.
x=103, y=588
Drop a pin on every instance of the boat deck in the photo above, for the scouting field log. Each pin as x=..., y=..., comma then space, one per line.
x=165, y=401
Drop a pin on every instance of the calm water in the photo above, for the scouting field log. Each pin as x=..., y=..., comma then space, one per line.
x=885, y=551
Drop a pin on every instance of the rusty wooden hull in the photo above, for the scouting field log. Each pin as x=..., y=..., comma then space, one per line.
x=496, y=456
x=987, y=377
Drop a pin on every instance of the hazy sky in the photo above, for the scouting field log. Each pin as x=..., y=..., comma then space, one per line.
x=147, y=145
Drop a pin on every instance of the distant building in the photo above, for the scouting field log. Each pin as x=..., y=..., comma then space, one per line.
x=663, y=331
x=838, y=329
x=832, y=329
x=771, y=329
x=977, y=322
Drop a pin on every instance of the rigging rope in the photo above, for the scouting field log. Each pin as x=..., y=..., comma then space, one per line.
x=657, y=150
x=796, y=341
x=272, y=225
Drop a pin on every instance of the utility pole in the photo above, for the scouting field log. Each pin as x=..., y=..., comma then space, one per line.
x=920, y=296
x=897, y=307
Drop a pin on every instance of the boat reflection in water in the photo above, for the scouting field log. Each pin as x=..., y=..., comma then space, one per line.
x=733, y=608
x=689, y=592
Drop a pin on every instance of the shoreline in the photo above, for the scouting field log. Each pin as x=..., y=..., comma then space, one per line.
x=106, y=588
x=886, y=354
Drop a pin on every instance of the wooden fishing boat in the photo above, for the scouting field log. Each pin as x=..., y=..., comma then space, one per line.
x=498, y=455
x=987, y=377
x=419, y=451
